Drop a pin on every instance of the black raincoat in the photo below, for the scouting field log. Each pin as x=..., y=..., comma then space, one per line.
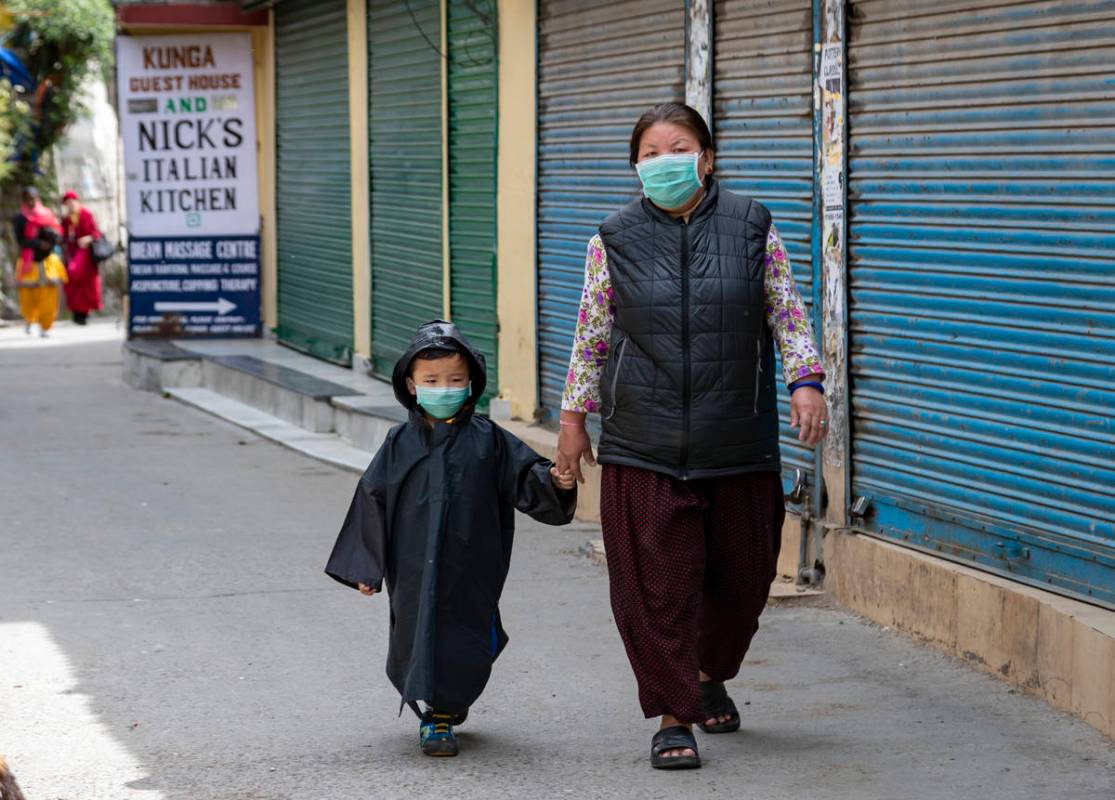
x=434, y=518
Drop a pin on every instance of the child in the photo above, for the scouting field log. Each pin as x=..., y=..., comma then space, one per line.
x=38, y=275
x=434, y=516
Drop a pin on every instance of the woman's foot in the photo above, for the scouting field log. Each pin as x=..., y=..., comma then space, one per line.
x=435, y=734
x=715, y=721
x=669, y=721
x=674, y=747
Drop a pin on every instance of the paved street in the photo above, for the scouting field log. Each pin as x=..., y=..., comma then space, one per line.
x=166, y=632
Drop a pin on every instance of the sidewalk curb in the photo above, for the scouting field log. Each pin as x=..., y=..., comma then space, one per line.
x=325, y=447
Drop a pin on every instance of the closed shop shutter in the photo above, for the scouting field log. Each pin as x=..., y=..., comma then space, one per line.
x=404, y=67
x=763, y=115
x=313, y=186
x=472, y=175
x=601, y=64
x=982, y=283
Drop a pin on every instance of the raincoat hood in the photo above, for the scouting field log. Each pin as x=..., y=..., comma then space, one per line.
x=439, y=335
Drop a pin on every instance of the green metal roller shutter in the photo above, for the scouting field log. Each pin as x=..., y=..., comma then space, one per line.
x=313, y=185
x=982, y=282
x=472, y=30
x=601, y=64
x=405, y=151
x=763, y=127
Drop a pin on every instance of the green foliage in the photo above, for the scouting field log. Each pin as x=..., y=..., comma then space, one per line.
x=61, y=42
x=6, y=167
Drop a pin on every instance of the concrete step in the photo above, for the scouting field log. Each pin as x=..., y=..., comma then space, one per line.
x=154, y=365
x=286, y=393
x=364, y=421
x=326, y=447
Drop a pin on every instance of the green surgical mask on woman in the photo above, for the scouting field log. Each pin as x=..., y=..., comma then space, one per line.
x=670, y=181
x=443, y=403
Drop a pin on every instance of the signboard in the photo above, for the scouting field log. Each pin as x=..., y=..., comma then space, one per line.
x=194, y=286
x=187, y=120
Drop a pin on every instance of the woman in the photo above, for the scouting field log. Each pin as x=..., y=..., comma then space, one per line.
x=39, y=271
x=686, y=292
x=83, y=292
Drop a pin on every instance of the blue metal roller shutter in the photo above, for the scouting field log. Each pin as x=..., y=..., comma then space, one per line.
x=600, y=65
x=763, y=114
x=982, y=282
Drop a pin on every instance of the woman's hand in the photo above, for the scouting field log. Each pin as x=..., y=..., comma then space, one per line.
x=573, y=445
x=84, y=242
x=808, y=411
x=365, y=589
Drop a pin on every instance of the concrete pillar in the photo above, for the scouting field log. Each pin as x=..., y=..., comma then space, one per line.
x=357, y=18
x=830, y=96
x=446, y=274
x=517, y=261
x=698, y=57
x=263, y=43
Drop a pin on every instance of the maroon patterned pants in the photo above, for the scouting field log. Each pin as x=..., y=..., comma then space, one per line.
x=690, y=565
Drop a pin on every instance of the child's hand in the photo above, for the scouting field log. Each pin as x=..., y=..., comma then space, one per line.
x=365, y=589
x=564, y=480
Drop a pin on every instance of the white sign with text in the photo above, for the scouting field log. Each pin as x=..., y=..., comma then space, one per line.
x=187, y=118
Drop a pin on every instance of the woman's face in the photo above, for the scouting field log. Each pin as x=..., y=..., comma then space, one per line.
x=71, y=207
x=664, y=138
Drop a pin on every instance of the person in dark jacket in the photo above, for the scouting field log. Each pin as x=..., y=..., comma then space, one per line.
x=433, y=518
x=688, y=290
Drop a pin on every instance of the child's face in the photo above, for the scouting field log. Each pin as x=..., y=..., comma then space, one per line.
x=441, y=373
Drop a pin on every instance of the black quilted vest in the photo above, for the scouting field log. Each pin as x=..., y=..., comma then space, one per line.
x=689, y=386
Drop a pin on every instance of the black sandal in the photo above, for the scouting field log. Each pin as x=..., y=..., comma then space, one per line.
x=714, y=698
x=676, y=737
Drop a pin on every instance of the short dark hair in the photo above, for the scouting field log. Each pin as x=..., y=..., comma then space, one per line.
x=676, y=113
x=433, y=354
x=29, y=191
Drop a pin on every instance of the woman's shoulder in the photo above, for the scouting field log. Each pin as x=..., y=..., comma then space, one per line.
x=743, y=207
x=596, y=257
x=633, y=213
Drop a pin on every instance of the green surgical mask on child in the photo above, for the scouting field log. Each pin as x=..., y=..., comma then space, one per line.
x=443, y=403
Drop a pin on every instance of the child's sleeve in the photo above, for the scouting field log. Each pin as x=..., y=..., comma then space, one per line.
x=527, y=484
x=360, y=554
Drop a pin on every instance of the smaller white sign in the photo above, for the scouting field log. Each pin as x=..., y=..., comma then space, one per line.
x=833, y=189
x=832, y=62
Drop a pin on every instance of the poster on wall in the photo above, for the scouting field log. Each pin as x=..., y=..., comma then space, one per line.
x=187, y=120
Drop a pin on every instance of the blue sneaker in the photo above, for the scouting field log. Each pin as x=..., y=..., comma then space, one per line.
x=435, y=734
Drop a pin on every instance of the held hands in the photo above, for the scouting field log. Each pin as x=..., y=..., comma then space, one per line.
x=807, y=411
x=365, y=589
x=573, y=445
x=563, y=480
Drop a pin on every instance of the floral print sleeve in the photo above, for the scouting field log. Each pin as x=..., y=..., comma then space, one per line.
x=787, y=316
x=593, y=336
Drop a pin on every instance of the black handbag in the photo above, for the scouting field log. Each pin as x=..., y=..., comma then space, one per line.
x=102, y=250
